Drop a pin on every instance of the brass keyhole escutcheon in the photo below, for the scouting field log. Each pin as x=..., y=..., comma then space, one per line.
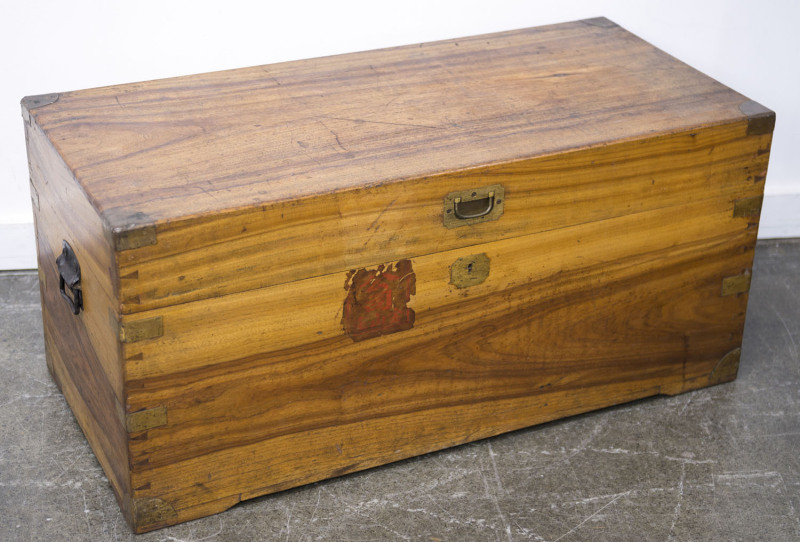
x=469, y=271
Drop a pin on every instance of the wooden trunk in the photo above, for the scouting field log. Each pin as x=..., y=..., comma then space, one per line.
x=297, y=271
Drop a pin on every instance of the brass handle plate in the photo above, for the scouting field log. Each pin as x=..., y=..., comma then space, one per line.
x=473, y=206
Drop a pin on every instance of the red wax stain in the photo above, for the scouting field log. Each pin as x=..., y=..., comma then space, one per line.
x=376, y=302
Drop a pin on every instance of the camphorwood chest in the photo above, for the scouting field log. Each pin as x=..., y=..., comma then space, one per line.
x=259, y=278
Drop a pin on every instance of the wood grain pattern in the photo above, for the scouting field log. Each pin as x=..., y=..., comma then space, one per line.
x=63, y=213
x=501, y=338
x=198, y=335
x=166, y=150
x=269, y=296
x=83, y=353
x=354, y=230
x=82, y=378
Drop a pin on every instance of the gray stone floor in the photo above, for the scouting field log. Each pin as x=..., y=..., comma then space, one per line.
x=718, y=464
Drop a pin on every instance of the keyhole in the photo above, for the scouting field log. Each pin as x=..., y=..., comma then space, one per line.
x=469, y=268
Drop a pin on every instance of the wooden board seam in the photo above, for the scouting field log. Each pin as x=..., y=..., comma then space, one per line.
x=190, y=218
x=135, y=315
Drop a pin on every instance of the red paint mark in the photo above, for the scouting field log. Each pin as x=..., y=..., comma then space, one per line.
x=376, y=302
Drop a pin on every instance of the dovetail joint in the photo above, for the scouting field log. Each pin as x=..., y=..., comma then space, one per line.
x=140, y=330
x=146, y=419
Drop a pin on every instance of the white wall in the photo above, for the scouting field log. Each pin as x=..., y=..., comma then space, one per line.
x=55, y=45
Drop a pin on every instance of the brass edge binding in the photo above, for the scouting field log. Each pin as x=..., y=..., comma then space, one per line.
x=602, y=22
x=760, y=120
x=148, y=511
x=42, y=278
x=134, y=238
x=143, y=420
x=747, y=207
x=140, y=330
x=32, y=102
x=34, y=195
x=737, y=284
x=726, y=368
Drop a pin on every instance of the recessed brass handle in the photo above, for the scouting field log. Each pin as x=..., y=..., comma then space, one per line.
x=473, y=206
x=476, y=208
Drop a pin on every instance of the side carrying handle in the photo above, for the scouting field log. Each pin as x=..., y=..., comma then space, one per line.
x=69, y=272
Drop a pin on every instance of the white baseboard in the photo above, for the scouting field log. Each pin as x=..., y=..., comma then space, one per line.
x=780, y=218
x=17, y=247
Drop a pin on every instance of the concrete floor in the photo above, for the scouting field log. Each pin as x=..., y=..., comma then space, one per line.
x=718, y=464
